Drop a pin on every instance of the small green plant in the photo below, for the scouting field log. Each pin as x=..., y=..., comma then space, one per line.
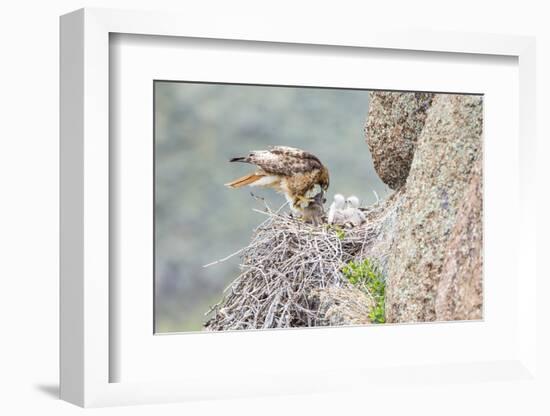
x=340, y=233
x=366, y=275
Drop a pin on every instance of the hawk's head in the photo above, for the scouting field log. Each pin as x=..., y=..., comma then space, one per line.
x=324, y=182
x=324, y=179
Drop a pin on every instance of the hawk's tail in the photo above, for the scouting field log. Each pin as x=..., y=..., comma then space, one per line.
x=245, y=180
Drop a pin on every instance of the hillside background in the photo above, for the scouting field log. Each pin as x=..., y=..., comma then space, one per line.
x=198, y=127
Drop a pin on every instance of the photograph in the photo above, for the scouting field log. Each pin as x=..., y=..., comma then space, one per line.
x=282, y=206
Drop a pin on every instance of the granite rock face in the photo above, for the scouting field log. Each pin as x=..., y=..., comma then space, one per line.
x=460, y=293
x=393, y=126
x=432, y=258
x=446, y=154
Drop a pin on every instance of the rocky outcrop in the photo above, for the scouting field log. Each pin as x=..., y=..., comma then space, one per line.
x=460, y=293
x=393, y=126
x=430, y=239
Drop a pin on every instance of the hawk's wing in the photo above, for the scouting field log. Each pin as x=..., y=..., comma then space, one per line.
x=284, y=160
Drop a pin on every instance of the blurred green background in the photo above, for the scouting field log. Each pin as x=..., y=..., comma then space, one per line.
x=198, y=127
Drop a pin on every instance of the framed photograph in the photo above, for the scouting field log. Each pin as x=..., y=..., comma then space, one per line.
x=266, y=211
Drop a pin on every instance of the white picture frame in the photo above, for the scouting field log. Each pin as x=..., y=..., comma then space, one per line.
x=87, y=331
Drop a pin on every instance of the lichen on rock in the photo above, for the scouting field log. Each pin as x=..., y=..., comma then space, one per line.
x=394, y=123
x=447, y=151
x=460, y=291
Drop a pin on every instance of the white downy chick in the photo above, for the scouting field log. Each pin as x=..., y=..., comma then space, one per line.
x=336, y=209
x=352, y=212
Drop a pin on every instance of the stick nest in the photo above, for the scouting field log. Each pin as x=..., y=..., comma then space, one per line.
x=291, y=275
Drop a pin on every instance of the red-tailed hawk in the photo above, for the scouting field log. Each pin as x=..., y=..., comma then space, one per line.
x=297, y=174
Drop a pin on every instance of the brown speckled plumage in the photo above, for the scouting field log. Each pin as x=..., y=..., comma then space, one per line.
x=291, y=171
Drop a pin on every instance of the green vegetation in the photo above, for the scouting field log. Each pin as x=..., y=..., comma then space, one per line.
x=366, y=275
x=340, y=233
